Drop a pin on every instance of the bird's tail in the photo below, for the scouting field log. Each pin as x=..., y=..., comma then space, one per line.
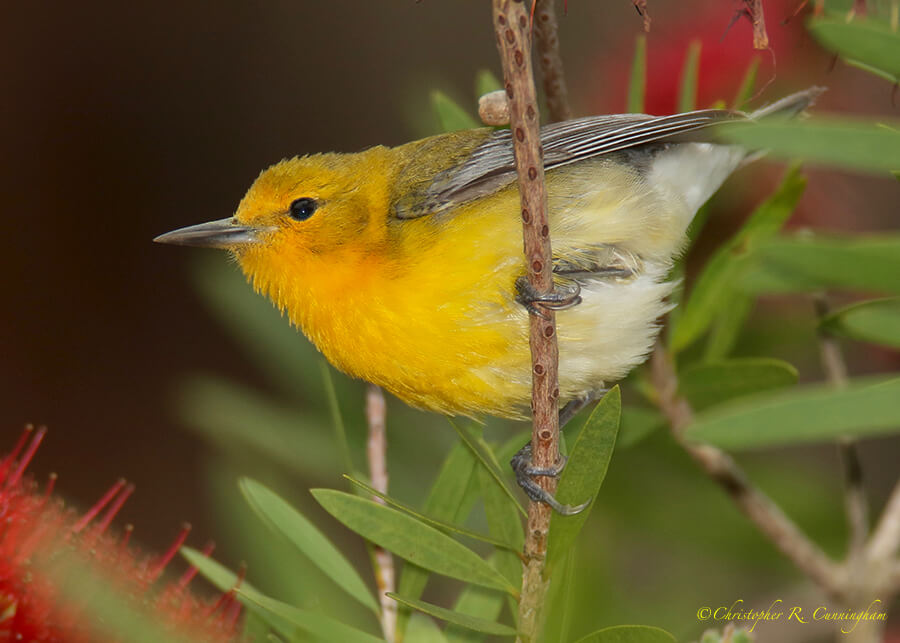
x=789, y=106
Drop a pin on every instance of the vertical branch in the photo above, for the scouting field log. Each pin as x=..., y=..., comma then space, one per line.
x=511, y=23
x=376, y=454
x=546, y=35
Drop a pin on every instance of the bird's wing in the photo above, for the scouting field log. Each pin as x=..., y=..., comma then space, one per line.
x=490, y=166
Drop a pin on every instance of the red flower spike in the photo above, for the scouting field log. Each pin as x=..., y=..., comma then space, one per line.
x=55, y=574
x=98, y=506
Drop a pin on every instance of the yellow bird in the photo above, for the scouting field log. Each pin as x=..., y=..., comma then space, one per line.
x=404, y=265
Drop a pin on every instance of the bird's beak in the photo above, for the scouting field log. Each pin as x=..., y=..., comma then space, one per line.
x=222, y=233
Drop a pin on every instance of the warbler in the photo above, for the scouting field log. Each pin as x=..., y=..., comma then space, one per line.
x=404, y=265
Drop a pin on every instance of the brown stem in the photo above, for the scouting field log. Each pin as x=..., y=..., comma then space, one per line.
x=857, y=507
x=758, y=507
x=755, y=12
x=511, y=23
x=546, y=36
x=376, y=454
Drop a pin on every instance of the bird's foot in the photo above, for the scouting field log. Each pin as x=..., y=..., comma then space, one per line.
x=560, y=298
x=524, y=469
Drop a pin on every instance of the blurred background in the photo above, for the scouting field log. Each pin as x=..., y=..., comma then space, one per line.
x=125, y=120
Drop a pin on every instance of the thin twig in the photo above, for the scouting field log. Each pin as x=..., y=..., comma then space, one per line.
x=546, y=36
x=376, y=454
x=758, y=507
x=857, y=507
x=754, y=10
x=511, y=23
x=885, y=542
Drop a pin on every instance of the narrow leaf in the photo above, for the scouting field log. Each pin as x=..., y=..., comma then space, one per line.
x=727, y=326
x=711, y=290
x=638, y=81
x=478, y=602
x=423, y=629
x=451, y=116
x=226, y=580
x=449, y=499
x=876, y=321
x=486, y=82
x=808, y=263
x=504, y=523
x=857, y=145
x=687, y=94
x=712, y=383
x=629, y=634
x=585, y=471
x=868, y=406
x=745, y=91
x=337, y=419
x=464, y=620
x=871, y=43
x=282, y=518
x=313, y=622
x=410, y=539
x=485, y=455
x=434, y=522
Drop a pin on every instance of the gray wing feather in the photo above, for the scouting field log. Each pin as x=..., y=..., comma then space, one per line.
x=491, y=165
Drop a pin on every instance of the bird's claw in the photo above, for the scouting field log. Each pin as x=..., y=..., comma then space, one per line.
x=524, y=469
x=560, y=298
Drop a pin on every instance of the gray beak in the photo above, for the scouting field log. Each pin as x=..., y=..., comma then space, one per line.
x=222, y=233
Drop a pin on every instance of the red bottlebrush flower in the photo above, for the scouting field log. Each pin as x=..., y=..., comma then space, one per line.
x=726, y=52
x=65, y=578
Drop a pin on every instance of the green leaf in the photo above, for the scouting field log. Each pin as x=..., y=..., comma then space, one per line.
x=281, y=517
x=637, y=423
x=226, y=580
x=337, y=419
x=486, y=82
x=745, y=91
x=313, y=622
x=711, y=290
x=857, y=145
x=485, y=455
x=478, y=602
x=505, y=524
x=434, y=522
x=871, y=44
x=225, y=413
x=448, y=500
x=584, y=472
x=638, y=81
x=876, y=321
x=451, y=116
x=727, y=326
x=410, y=539
x=868, y=406
x=629, y=634
x=464, y=620
x=712, y=383
x=807, y=263
x=423, y=629
x=687, y=94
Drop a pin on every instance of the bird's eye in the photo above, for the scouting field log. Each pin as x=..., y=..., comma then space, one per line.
x=302, y=209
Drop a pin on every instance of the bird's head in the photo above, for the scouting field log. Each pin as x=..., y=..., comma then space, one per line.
x=298, y=216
